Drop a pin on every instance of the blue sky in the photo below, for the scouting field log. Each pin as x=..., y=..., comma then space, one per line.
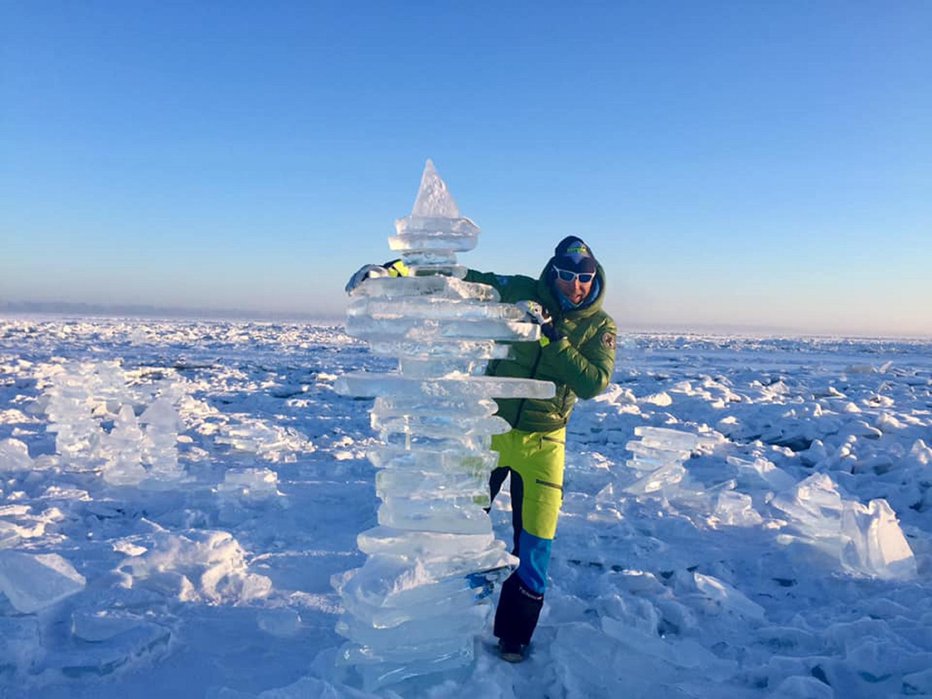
x=763, y=165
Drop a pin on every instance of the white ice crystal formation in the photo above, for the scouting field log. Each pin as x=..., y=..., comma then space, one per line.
x=268, y=441
x=659, y=455
x=423, y=594
x=199, y=565
x=82, y=396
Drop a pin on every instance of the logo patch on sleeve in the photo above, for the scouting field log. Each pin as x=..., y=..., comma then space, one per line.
x=608, y=340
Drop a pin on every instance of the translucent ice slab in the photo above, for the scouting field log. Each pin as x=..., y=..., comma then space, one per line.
x=814, y=506
x=873, y=542
x=433, y=330
x=423, y=233
x=672, y=440
x=653, y=453
x=438, y=287
x=430, y=308
x=411, y=662
x=479, y=387
x=429, y=258
x=440, y=367
x=457, y=271
x=478, y=462
x=425, y=544
x=443, y=559
x=439, y=426
x=32, y=582
x=776, y=478
x=249, y=484
x=393, y=406
x=435, y=515
x=466, y=349
x=389, y=590
x=416, y=632
x=655, y=482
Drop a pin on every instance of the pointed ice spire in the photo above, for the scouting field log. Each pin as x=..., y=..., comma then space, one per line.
x=431, y=235
x=433, y=198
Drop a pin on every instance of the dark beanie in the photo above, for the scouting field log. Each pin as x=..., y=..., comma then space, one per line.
x=574, y=255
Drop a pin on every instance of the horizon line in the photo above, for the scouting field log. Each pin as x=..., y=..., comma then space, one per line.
x=154, y=312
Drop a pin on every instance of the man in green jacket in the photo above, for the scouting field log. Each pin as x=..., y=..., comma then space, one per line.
x=577, y=353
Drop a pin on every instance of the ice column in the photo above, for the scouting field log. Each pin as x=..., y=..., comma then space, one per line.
x=123, y=448
x=161, y=422
x=416, y=604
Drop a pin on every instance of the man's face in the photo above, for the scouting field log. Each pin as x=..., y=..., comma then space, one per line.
x=574, y=290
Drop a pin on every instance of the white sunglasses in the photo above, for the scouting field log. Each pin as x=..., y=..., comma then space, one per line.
x=567, y=276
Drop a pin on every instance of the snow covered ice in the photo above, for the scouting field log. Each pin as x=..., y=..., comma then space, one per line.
x=422, y=595
x=702, y=589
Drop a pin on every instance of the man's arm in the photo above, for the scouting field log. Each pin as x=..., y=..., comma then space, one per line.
x=587, y=369
x=511, y=288
x=494, y=280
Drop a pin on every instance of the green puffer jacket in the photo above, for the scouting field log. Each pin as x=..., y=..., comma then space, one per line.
x=580, y=364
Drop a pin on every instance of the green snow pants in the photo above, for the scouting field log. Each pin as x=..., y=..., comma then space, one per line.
x=535, y=461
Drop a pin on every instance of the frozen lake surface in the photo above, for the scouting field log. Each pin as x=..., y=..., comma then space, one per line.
x=786, y=555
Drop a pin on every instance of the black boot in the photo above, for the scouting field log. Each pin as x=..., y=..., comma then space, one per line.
x=517, y=614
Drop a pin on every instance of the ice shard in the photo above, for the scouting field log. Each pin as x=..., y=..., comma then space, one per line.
x=416, y=605
x=659, y=457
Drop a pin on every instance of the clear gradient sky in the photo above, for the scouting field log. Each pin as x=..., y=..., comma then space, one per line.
x=734, y=165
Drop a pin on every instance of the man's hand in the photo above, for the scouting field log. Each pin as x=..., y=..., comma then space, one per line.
x=535, y=313
x=365, y=272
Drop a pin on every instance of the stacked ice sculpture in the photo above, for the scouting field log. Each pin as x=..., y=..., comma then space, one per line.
x=422, y=595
